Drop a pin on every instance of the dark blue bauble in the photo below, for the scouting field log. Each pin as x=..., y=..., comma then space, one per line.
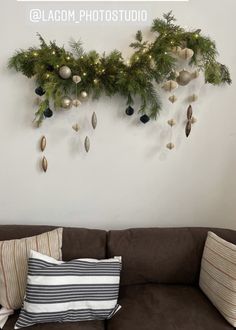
x=144, y=119
x=48, y=113
x=40, y=91
x=129, y=111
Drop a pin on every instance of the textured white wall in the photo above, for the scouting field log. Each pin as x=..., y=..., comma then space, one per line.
x=129, y=178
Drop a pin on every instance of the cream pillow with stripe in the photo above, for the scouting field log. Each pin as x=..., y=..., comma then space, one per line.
x=13, y=264
x=218, y=275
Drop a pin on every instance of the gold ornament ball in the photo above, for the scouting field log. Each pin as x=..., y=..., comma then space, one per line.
x=84, y=95
x=184, y=78
x=65, y=72
x=66, y=102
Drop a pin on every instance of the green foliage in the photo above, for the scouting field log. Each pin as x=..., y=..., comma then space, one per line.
x=151, y=63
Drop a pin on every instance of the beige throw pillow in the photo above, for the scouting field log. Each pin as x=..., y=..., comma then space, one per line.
x=13, y=264
x=218, y=275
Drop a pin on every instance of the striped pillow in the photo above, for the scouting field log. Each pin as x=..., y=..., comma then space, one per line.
x=13, y=264
x=77, y=290
x=218, y=275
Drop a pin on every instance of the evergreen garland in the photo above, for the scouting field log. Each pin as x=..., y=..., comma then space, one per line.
x=151, y=63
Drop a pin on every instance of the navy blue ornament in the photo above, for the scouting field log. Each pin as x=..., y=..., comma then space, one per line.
x=129, y=111
x=48, y=113
x=50, y=68
x=40, y=91
x=144, y=119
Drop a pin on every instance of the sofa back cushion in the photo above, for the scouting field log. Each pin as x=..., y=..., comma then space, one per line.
x=161, y=255
x=77, y=242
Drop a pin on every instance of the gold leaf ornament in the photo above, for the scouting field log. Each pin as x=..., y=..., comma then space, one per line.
x=170, y=146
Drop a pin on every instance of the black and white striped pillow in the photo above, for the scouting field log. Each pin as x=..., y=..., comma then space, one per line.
x=77, y=290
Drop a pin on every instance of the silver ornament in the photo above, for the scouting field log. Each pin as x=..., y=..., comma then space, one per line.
x=76, y=79
x=94, y=120
x=76, y=103
x=87, y=144
x=65, y=72
x=66, y=102
x=84, y=95
x=184, y=78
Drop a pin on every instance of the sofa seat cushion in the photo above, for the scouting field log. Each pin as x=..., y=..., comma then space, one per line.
x=166, y=307
x=85, y=325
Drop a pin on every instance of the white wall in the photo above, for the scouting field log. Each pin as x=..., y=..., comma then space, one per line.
x=129, y=178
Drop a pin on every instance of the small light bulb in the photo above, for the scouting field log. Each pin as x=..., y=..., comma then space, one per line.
x=68, y=57
x=35, y=53
x=95, y=81
x=196, y=35
x=103, y=70
x=81, y=57
x=47, y=75
x=150, y=56
x=26, y=55
x=57, y=66
x=84, y=74
x=53, y=52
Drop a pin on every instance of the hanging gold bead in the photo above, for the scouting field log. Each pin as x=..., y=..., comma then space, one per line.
x=170, y=146
x=193, y=98
x=76, y=127
x=76, y=103
x=173, y=98
x=171, y=122
x=193, y=120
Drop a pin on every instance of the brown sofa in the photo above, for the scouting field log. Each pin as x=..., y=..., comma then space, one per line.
x=159, y=280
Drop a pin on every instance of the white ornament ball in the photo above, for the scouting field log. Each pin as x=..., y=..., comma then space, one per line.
x=66, y=102
x=65, y=72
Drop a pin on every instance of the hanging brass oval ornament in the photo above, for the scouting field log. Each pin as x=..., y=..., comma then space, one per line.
x=189, y=112
x=188, y=128
x=44, y=164
x=87, y=144
x=94, y=120
x=43, y=143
